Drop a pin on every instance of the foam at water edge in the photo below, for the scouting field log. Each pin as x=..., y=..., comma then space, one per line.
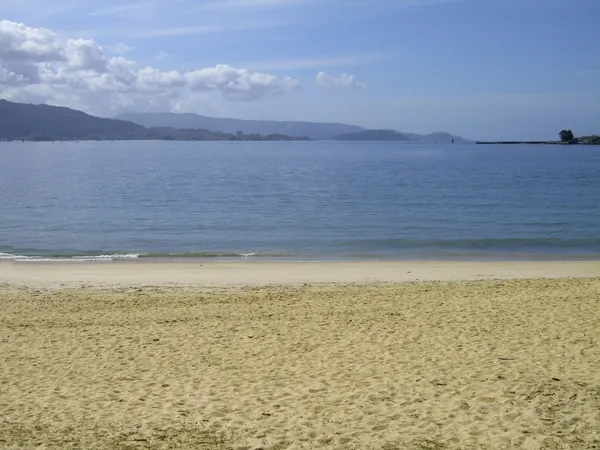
x=14, y=257
x=83, y=258
x=106, y=257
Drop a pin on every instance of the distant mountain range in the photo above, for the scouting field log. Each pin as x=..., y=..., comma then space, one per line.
x=312, y=130
x=20, y=121
x=43, y=122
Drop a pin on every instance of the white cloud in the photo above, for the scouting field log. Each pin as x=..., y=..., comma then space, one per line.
x=36, y=66
x=121, y=48
x=124, y=70
x=239, y=84
x=150, y=78
x=86, y=54
x=19, y=42
x=10, y=78
x=344, y=81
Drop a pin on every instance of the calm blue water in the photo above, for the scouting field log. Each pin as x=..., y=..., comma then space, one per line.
x=298, y=200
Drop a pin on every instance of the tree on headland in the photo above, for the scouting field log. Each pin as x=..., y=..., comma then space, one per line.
x=566, y=136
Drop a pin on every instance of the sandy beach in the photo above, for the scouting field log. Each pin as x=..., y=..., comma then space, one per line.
x=294, y=356
x=199, y=274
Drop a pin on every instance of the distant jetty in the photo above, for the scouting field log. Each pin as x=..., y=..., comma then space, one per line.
x=521, y=142
x=535, y=143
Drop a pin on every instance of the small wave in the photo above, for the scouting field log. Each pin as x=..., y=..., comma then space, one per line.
x=132, y=256
x=107, y=257
x=211, y=254
x=64, y=258
x=14, y=257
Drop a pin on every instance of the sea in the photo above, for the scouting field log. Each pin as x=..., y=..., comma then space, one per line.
x=297, y=201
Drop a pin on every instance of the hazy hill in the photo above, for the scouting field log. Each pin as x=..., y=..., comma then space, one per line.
x=312, y=130
x=372, y=135
x=43, y=122
x=19, y=121
x=438, y=137
x=197, y=134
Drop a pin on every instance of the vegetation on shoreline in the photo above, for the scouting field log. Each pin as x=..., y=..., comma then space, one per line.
x=590, y=140
x=566, y=138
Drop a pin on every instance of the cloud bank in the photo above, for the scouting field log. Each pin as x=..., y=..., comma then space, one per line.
x=37, y=66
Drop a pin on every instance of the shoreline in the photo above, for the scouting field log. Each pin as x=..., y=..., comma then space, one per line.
x=252, y=257
x=109, y=274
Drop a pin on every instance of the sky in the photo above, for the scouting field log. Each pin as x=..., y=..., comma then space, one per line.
x=483, y=69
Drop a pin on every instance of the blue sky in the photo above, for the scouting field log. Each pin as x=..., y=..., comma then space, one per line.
x=485, y=69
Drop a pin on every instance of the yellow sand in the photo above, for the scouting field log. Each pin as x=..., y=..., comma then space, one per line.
x=202, y=274
x=491, y=364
